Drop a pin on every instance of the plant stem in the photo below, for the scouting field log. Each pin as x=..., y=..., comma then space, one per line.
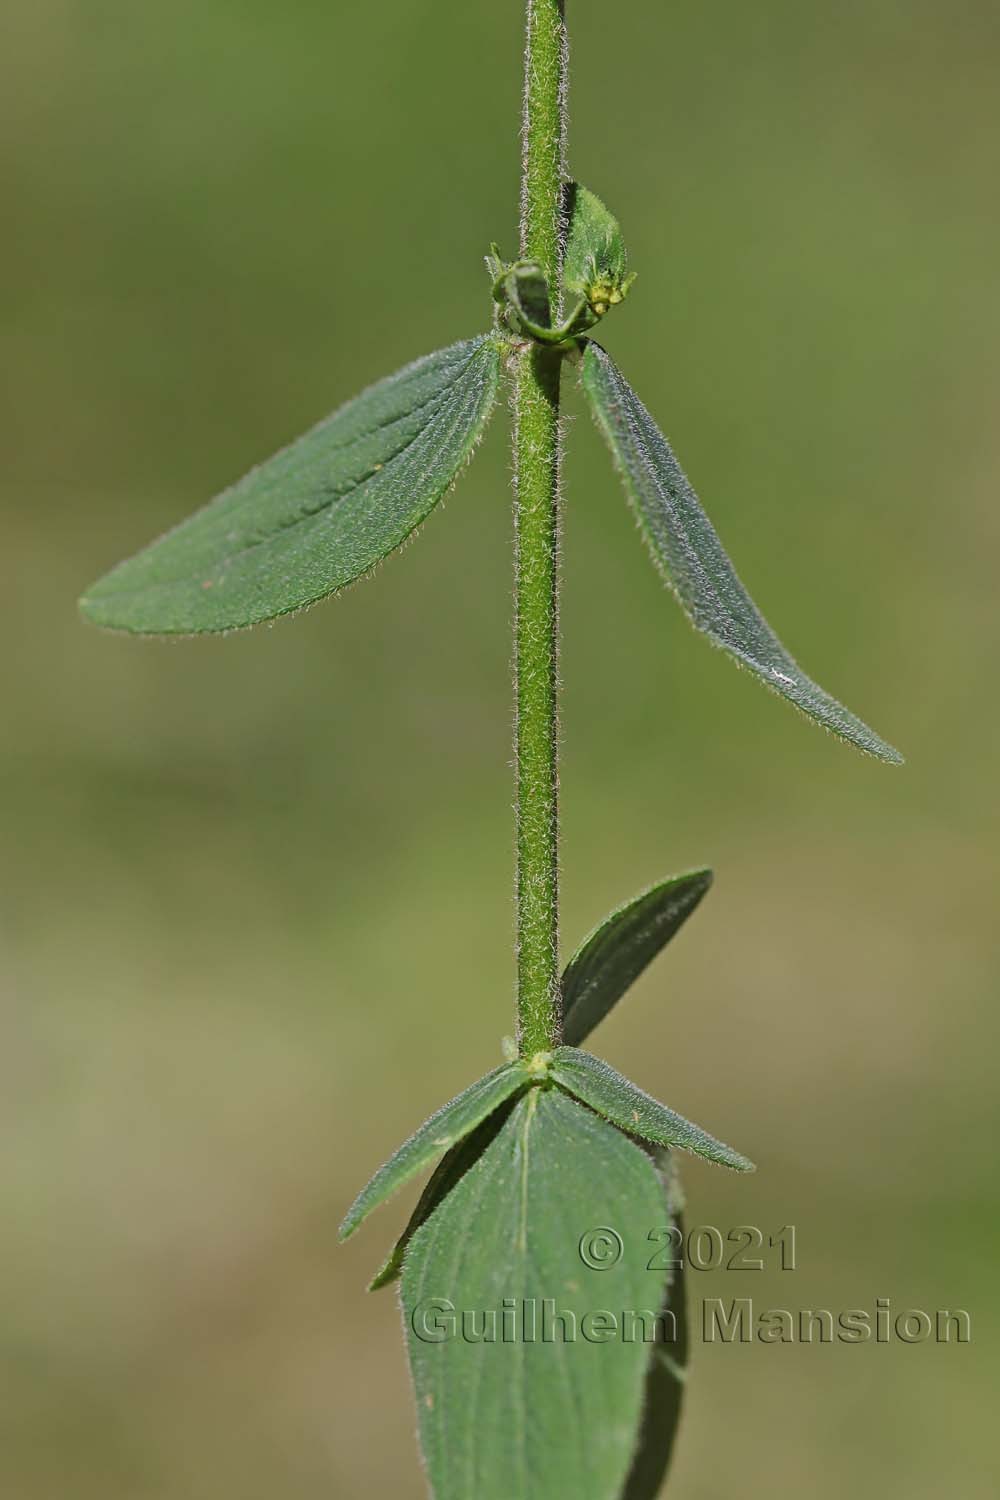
x=543, y=138
x=536, y=517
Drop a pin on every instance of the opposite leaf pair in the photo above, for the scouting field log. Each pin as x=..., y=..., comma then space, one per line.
x=327, y=509
x=605, y=965
x=531, y=1305
x=530, y=1297
x=574, y=1072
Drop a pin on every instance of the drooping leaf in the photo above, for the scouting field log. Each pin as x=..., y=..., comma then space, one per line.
x=595, y=265
x=452, y=1166
x=437, y=1135
x=666, y=1376
x=496, y=1396
x=616, y=952
x=688, y=553
x=317, y=515
x=625, y=1105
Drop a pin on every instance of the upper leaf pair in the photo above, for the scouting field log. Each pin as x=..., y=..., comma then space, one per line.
x=328, y=508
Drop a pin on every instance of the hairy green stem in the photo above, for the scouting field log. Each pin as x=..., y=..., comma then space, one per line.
x=543, y=137
x=536, y=511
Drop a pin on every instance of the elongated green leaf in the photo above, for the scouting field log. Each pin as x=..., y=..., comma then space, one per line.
x=690, y=556
x=527, y=1367
x=625, y=1105
x=595, y=264
x=615, y=954
x=317, y=515
x=448, y=1125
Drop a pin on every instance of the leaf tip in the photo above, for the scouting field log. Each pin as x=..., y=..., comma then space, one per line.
x=87, y=606
x=388, y=1274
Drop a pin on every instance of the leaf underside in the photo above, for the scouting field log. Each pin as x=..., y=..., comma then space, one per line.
x=691, y=558
x=317, y=515
x=494, y=1415
x=613, y=1096
x=616, y=952
x=447, y=1126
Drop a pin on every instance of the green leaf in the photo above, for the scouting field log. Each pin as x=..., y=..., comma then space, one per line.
x=688, y=553
x=625, y=1105
x=616, y=952
x=452, y=1166
x=317, y=515
x=495, y=1415
x=665, y=1382
x=595, y=265
x=445, y=1127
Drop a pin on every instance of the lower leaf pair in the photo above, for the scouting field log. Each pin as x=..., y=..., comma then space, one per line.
x=603, y=968
x=530, y=1302
x=531, y=1314
x=573, y=1072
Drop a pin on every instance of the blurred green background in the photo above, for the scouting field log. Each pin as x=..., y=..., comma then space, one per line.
x=256, y=893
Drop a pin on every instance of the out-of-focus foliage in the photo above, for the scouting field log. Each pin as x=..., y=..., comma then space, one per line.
x=231, y=869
